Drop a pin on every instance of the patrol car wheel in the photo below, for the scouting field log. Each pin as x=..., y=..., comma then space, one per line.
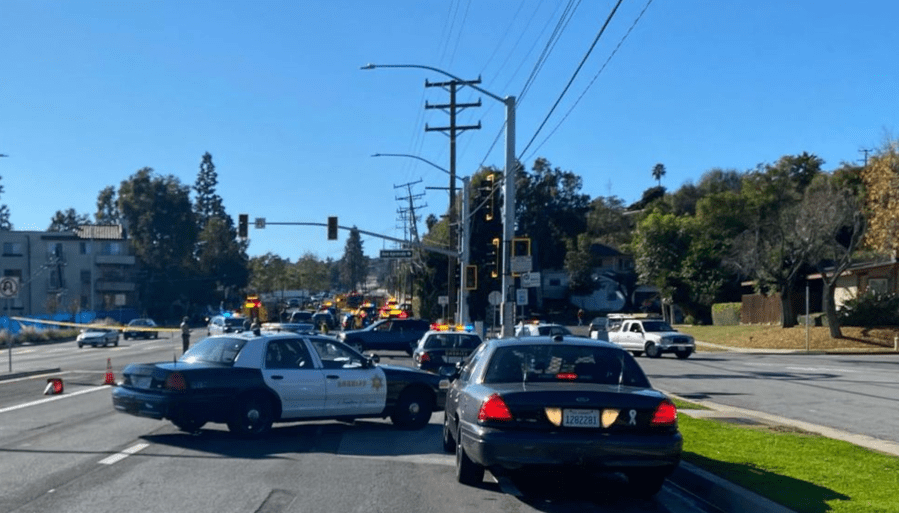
x=252, y=418
x=413, y=410
x=449, y=443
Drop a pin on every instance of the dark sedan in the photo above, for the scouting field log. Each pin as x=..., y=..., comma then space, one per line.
x=249, y=381
x=560, y=402
x=141, y=328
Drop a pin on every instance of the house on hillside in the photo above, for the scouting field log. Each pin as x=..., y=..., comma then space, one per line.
x=611, y=294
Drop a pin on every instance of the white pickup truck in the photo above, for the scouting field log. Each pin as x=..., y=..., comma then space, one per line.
x=652, y=336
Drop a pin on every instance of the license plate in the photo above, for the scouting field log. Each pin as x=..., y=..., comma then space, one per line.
x=580, y=418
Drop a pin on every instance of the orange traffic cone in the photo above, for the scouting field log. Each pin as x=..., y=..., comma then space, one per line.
x=54, y=386
x=110, y=378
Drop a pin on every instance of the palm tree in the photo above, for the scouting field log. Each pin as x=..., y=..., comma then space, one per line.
x=658, y=171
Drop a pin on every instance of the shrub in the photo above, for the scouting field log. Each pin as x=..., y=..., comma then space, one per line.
x=726, y=314
x=871, y=309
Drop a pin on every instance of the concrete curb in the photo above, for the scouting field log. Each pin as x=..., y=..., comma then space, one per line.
x=721, y=493
x=25, y=374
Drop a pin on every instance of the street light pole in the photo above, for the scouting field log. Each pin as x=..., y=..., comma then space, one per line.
x=464, y=232
x=507, y=309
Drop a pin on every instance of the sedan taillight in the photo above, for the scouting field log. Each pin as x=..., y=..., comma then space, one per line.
x=423, y=357
x=494, y=408
x=665, y=414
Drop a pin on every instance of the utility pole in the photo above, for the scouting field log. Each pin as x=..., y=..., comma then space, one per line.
x=866, y=152
x=413, y=232
x=452, y=109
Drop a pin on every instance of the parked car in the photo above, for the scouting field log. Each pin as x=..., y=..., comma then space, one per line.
x=140, y=328
x=389, y=334
x=563, y=402
x=250, y=381
x=221, y=324
x=95, y=336
x=439, y=350
x=540, y=329
x=599, y=328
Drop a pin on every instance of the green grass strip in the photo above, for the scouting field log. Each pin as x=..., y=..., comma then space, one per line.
x=802, y=471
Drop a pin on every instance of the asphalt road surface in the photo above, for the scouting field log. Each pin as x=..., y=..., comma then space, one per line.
x=73, y=452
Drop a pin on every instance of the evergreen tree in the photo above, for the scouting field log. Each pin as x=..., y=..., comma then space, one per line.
x=5, y=225
x=208, y=204
x=354, y=265
x=67, y=221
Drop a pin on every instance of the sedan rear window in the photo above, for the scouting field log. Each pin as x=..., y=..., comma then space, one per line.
x=555, y=363
x=215, y=350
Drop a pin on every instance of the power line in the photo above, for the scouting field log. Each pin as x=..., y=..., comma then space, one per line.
x=573, y=76
x=595, y=77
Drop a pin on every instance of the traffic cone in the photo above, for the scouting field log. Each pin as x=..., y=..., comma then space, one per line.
x=110, y=378
x=54, y=386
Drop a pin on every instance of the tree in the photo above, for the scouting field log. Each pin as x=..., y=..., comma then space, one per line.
x=551, y=210
x=658, y=171
x=354, y=265
x=208, y=204
x=163, y=233
x=774, y=250
x=107, y=209
x=5, y=225
x=881, y=182
x=67, y=221
x=834, y=225
x=221, y=260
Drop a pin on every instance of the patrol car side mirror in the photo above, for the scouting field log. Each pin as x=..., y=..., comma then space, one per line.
x=373, y=359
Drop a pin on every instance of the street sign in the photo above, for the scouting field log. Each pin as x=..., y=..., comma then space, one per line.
x=442, y=300
x=495, y=298
x=531, y=279
x=260, y=223
x=396, y=253
x=521, y=297
x=520, y=264
x=9, y=287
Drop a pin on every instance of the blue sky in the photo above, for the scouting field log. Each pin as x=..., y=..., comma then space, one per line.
x=92, y=91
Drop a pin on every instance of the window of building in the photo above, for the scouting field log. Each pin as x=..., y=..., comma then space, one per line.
x=85, y=248
x=878, y=285
x=12, y=249
x=112, y=248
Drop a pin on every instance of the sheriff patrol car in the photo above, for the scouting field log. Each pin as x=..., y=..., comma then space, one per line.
x=251, y=380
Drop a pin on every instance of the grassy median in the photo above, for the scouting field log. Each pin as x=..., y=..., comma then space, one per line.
x=802, y=471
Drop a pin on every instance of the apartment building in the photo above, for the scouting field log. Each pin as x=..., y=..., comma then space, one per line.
x=91, y=268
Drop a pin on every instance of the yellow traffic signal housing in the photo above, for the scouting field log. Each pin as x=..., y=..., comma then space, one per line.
x=496, y=254
x=489, y=179
x=521, y=246
x=471, y=277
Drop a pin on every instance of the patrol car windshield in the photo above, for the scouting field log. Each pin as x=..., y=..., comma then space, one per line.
x=220, y=350
x=564, y=363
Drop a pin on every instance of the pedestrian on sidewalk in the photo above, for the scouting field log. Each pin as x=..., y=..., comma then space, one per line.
x=185, y=335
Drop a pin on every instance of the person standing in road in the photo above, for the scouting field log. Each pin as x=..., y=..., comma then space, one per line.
x=580, y=317
x=185, y=335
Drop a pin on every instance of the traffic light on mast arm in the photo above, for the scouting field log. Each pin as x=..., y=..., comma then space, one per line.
x=242, y=221
x=332, y=228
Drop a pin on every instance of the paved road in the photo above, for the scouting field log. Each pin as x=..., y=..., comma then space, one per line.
x=74, y=453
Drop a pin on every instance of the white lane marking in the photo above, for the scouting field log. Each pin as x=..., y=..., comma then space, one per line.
x=51, y=399
x=115, y=458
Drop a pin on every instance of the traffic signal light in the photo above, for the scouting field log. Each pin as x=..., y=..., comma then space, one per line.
x=332, y=228
x=495, y=271
x=521, y=246
x=489, y=181
x=471, y=277
x=242, y=221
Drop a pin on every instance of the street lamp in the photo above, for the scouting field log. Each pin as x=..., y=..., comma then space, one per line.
x=465, y=232
x=506, y=313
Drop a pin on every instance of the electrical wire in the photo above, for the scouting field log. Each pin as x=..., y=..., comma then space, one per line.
x=595, y=77
x=573, y=76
